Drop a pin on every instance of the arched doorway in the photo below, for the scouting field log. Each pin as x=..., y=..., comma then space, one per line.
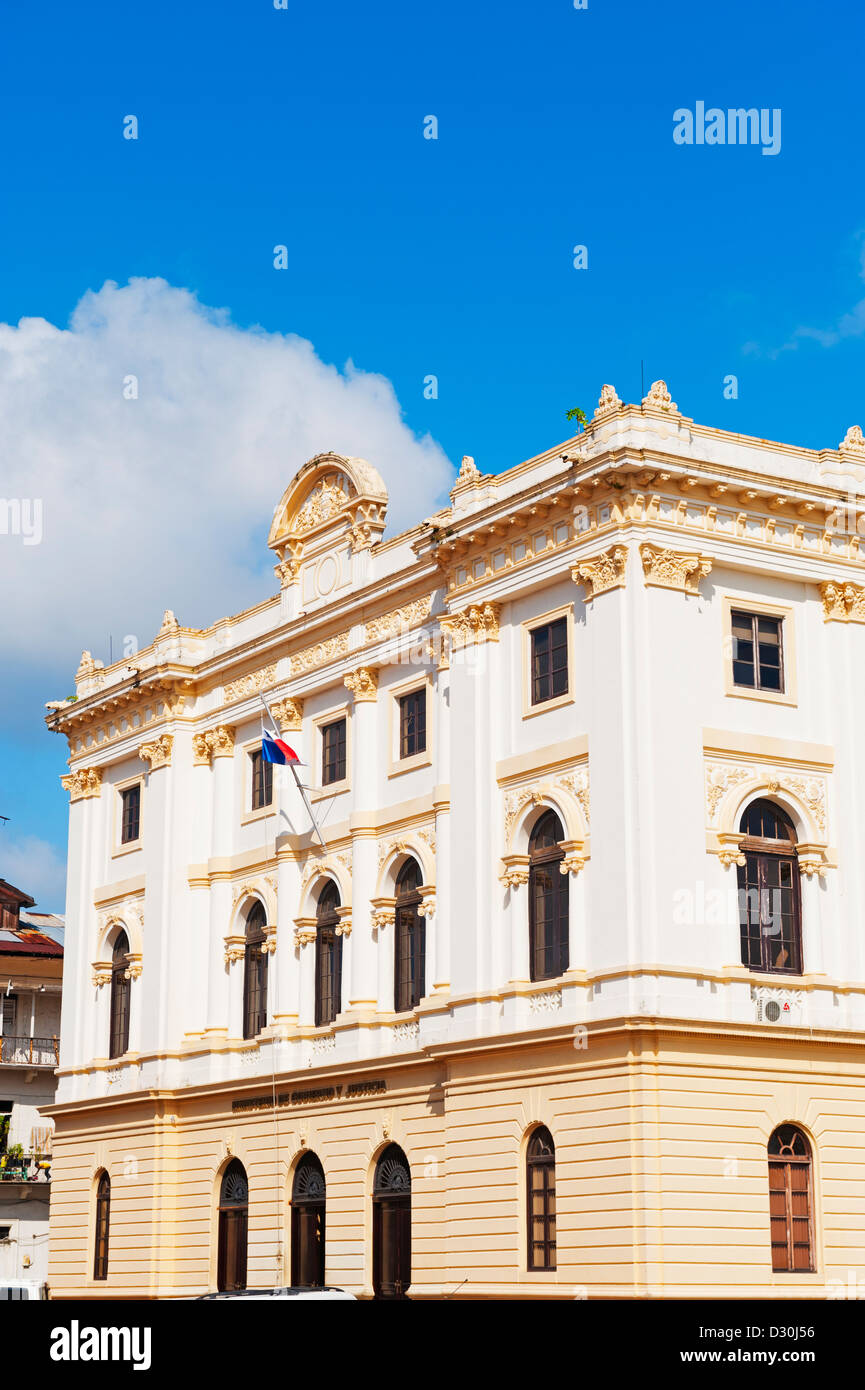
x=233, y=1222
x=308, y=1198
x=391, y=1225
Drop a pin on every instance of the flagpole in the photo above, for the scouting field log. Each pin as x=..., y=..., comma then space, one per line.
x=299, y=784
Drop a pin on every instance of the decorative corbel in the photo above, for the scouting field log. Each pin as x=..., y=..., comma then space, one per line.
x=134, y=967
x=235, y=946
x=729, y=851
x=427, y=905
x=515, y=869
x=304, y=931
x=101, y=973
x=812, y=860
x=270, y=938
x=344, y=927
x=575, y=858
x=383, y=912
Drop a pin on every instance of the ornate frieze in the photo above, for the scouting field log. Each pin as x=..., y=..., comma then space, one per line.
x=331, y=649
x=478, y=623
x=673, y=569
x=289, y=712
x=251, y=683
x=363, y=684
x=399, y=619
x=602, y=572
x=843, y=603
x=84, y=782
x=157, y=753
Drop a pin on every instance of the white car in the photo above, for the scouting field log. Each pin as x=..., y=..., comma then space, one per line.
x=287, y=1292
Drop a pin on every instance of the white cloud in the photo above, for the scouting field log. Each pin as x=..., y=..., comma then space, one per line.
x=848, y=325
x=34, y=866
x=165, y=501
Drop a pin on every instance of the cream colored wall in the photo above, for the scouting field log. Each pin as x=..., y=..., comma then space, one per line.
x=661, y=1173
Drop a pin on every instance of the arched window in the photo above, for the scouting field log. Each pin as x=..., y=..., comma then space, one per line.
x=118, y=1039
x=770, y=915
x=791, y=1205
x=541, y=1187
x=409, y=965
x=233, y=1212
x=328, y=956
x=548, y=900
x=255, y=973
x=391, y=1225
x=103, y=1219
x=308, y=1195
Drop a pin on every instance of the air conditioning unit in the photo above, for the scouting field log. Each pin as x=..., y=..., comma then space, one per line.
x=782, y=1007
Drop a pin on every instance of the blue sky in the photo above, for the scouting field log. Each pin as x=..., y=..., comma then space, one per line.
x=452, y=257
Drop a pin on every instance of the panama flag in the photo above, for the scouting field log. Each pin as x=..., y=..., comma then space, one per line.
x=275, y=750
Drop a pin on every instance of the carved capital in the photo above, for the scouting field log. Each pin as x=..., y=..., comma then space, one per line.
x=289, y=712
x=602, y=572
x=202, y=750
x=383, y=912
x=158, y=753
x=479, y=623
x=286, y=571
x=673, y=569
x=101, y=973
x=86, y=781
x=304, y=931
x=222, y=741
x=363, y=683
x=235, y=945
x=729, y=851
x=843, y=603
x=515, y=869
x=134, y=967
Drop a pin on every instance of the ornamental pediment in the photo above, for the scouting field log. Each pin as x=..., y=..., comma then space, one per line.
x=330, y=495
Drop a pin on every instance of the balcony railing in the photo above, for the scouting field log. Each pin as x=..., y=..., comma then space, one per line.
x=34, y=1052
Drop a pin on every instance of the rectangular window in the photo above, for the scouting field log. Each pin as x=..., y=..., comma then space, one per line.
x=130, y=814
x=262, y=781
x=758, y=657
x=333, y=752
x=412, y=723
x=549, y=661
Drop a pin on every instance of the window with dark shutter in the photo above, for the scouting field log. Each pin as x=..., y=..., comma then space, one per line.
x=409, y=940
x=130, y=814
x=549, y=661
x=255, y=973
x=770, y=915
x=541, y=1183
x=758, y=653
x=412, y=723
x=103, y=1216
x=548, y=900
x=328, y=956
x=262, y=781
x=121, y=985
x=333, y=752
x=791, y=1205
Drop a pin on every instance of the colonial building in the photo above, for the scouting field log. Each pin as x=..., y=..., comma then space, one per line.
x=31, y=963
x=569, y=1000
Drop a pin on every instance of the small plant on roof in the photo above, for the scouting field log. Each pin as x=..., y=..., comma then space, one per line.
x=578, y=415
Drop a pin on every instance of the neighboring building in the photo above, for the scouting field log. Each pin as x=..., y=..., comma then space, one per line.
x=31, y=964
x=574, y=999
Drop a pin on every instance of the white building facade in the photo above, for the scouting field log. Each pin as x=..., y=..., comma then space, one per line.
x=571, y=1000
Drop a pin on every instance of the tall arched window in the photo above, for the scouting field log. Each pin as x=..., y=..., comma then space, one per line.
x=548, y=900
x=770, y=915
x=791, y=1205
x=118, y=1041
x=409, y=966
x=103, y=1220
x=308, y=1195
x=391, y=1225
x=328, y=956
x=541, y=1193
x=233, y=1213
x=255, y=973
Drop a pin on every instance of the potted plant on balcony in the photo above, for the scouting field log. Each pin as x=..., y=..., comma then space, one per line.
x=14, y=1161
